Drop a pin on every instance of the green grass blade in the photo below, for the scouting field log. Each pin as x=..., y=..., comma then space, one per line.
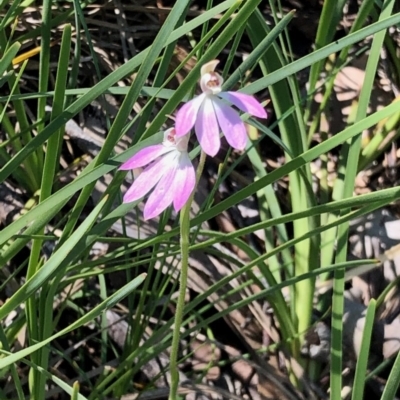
x=6, y=60
x=393, y=382
x=24, y=176
x=10, y=13
x=351, y=160
x=362, y=361
x=90, y=316
x=293, y=135
x=258, y=52
x=317, y=55
x=49, y=170
x=330, y=17
x=269, y=207
x=13, y=369
x=48, y=269
x=44, y=72
x=362, y=16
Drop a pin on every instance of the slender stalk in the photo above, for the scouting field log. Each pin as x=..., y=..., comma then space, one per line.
x=185, y=242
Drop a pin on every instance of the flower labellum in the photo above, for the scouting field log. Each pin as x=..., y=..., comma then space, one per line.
x=210, y=113
x=169, y=172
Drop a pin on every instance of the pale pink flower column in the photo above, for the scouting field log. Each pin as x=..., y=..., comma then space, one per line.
x=211, y=113
x=169, y=173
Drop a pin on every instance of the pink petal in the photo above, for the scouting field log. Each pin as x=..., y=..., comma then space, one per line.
x=245, y=102
x=207, y=129
x=231, y=124
x=187, y=114
x=184, y=182
x=148, y=178
x=144, y=157
x=163, y=195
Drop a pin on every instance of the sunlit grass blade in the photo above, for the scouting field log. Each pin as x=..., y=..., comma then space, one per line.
x=393, y=382
x=24, y=176
x=269, y=207
x=90, y=316
x=317, y=55
x=388, y=128
x=75, y=392
x=351, y=159
x=363, y=357
x=362, y=16
x=255, y=56
x=50, y=168
x=10, y=14
x=330, y=16
x=6, y=60
x=160, y=340
x=271, y=201
x=44, y=71
x=283, y=94
x=13, y=369
x=48, y=269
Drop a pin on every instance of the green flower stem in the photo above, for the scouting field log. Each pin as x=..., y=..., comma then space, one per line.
x=185, y=243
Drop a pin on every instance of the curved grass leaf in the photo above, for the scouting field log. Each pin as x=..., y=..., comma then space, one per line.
x=50, y=267
x=111, y=301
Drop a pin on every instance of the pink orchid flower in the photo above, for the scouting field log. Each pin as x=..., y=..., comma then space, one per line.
x=169, y=171
x=209, y=113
